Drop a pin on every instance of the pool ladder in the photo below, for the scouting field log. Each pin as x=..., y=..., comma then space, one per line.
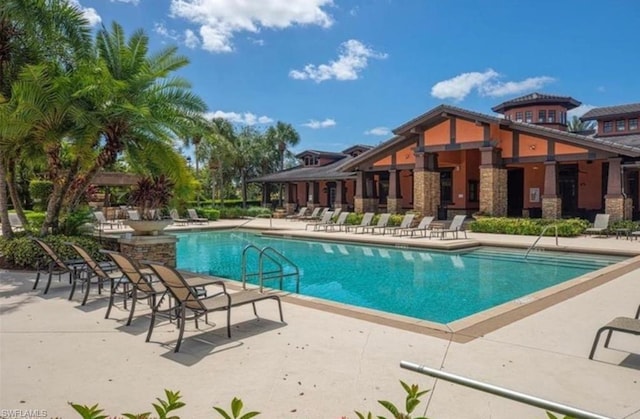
x=540, y=236
x=277, y=259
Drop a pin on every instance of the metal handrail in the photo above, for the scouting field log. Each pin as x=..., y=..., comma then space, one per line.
x=503, y=392
x=540, y=237
x=261, y=274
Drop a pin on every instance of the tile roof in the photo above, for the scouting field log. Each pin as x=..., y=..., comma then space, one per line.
x=321, y=153
x=537, y=98
x=610, y=111
x=332, y=171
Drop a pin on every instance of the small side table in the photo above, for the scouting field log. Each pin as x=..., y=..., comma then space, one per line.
x=623, y=232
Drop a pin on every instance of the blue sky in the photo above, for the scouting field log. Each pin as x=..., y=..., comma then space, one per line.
x=347, y=72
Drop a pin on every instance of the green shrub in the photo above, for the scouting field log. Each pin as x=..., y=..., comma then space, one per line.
x=40, y=190
x=22, y=252
x=529, y=226
x=35, y=219
x=72, y=223
x=232, y=212
x=209, y=213
x=395, y=220
x=258, y=211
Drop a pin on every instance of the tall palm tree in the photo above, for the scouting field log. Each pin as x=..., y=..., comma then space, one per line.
x=283, y=136
x=577, y=125
x=216, y=148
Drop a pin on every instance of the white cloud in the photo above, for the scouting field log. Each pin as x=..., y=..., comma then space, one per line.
x=487, y=84
x=219, y=20
x=313, y=124
x=353, y=57
x=579, y=111
x=89, y=12
x=191, y=40
x=134, y=2
x=257, y=41
x=378, y=131
x=246, y=118
x=162, y=30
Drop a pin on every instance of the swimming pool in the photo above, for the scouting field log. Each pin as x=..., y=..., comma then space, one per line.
x=430, y=285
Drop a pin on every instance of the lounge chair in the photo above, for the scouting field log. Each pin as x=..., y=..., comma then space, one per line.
x=141, y=283
x=405, y=223
x=337, y=225
x=176, y=217
x=366, y=221
x=103, y=273
x=301, y=213
x=380, y=225
x=186, y=299
x=193, y=217
x=619, y=324
x=454, y=228
x=15, y=222
x=314, y=214
x=326, y=218
x=102, y=222
x=421, y=228
x=600, y=225
x=57, y=265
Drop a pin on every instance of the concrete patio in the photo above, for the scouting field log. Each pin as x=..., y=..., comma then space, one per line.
x=319, y=364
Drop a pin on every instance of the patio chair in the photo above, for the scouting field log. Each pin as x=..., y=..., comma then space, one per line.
x=366, y=221
x=619, y=324
x=600, y=225
x=340, y=222
x=186, y=299
x=326, y=219
x=56, y=265
x=140, y=280
x=176, y=217
x=380, y=225
x=406, y=222
x=193, y=217
x=454, y=228
x=15, y=222
x=101, y=221
x=102, y=272
x=420, y=229
x=301, y=212
x=314, y=214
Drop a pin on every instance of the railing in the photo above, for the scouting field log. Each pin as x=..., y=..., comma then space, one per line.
x=540, y=236
x=503, y=392
x=276, y=258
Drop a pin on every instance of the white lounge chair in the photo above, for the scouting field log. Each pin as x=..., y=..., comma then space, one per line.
x=454, y=228
x=366, y=221
x=600, y=225
x=405, y=223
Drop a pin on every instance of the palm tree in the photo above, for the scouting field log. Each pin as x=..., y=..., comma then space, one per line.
x=216, y=148
x=577, y=125
x=282, y=135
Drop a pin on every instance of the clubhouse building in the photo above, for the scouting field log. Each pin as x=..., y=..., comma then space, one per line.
x=449, y=160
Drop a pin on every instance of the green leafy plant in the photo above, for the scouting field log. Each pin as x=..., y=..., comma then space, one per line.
x=236, y=411
x=89, y=412
x=22, y=252
x=40, y=190
x=411, y=402
x=209, y=213
x=72, y=223
x=152, y=196
x=552, y=416
x=529, y=226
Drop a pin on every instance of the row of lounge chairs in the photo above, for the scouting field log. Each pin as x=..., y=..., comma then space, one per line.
x=169, y=292
x=192, y=217
x=425, y=227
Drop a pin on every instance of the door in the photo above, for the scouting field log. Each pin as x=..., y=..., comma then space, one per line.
x=446, y=193
x=515, y=192
x=568, y=189
x=632, y=192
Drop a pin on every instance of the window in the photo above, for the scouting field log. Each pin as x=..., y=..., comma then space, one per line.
x=563, y=117
x=621, y=125
x=633, y=124
x=528, y=117
x=307, y=161
x=552, y=116
x=607, y=126
x=473, y=190
x=542, y=116
x=518, y=116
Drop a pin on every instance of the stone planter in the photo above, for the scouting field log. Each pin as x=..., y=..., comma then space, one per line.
x=147, y=227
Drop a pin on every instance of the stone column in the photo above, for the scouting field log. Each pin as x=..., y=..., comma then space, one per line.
x=551, y=201
x=493, y=182
x=426, y=183
x=394, y=199
x=340, y=201
x=358, y=199
x=614, y=200
x=289, y=204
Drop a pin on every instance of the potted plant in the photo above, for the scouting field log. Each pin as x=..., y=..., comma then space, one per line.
x=150, y=197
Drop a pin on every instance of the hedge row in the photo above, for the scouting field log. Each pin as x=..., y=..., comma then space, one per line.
x=529, y=226
x=24, y=253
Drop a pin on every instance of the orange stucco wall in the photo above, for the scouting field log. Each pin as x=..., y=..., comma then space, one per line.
x=590, y=184
x=569, y=149
x=438, y=135
x=467, y=131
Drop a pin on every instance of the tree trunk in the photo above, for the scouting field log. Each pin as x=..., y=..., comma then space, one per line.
x=221, y=185
x=243, y=180
x=60, y=190
x=13, y=192
x=4, y=208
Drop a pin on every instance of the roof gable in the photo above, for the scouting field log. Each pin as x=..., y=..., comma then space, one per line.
x=537, y=98
x=611, y=112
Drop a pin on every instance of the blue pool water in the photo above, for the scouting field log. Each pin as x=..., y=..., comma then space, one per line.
x=429, y=285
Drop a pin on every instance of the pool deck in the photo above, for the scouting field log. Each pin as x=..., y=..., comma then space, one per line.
x=320, y=364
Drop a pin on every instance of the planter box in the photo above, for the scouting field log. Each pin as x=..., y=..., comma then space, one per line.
x=147, y=227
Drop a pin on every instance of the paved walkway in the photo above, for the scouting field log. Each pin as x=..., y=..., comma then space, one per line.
x=317, y=365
